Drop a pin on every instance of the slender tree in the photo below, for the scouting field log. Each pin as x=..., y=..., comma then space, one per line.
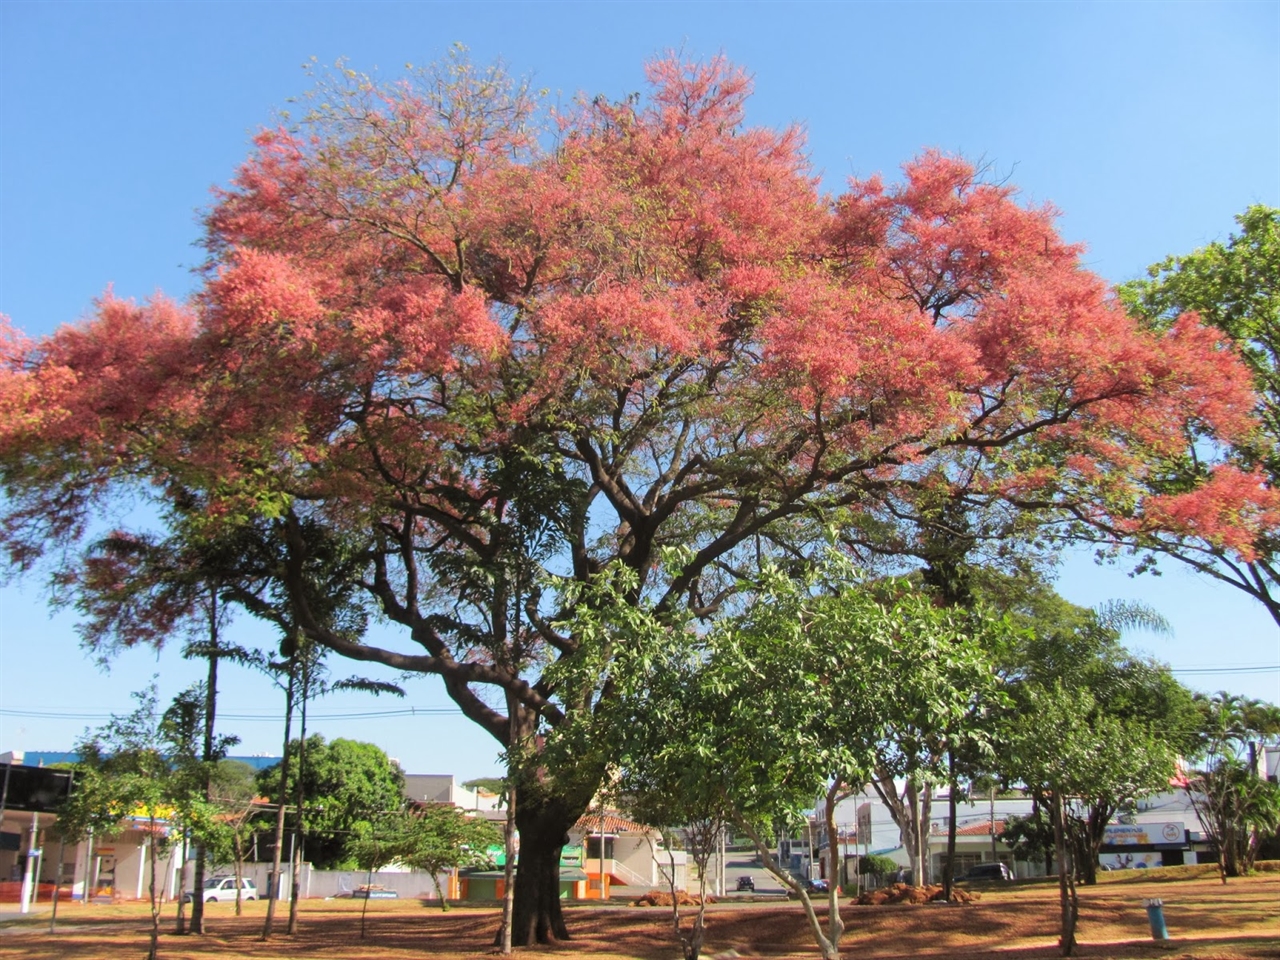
x=234, y=800
x=438, y=838
x=1235, y=805
x=141, y=766
x=136, y=590
x=1079, y=650
x=787, y=701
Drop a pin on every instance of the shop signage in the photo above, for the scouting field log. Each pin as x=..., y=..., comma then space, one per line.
x=1135, y=834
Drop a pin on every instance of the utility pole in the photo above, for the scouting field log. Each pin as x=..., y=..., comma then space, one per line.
x=26, y=896
x=994, y=856
x=601, y=851
x=720, y=878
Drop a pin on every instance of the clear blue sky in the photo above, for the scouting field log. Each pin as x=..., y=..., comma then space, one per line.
x=1148, y=124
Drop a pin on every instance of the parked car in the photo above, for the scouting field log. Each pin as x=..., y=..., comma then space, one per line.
x=224, y=888
x=746, y=883
x=816, y=886
x=988, y=872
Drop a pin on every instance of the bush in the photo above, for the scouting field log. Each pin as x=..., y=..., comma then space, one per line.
x=877, y=865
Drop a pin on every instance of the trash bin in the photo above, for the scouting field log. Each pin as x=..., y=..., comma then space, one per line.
x=1155, y=917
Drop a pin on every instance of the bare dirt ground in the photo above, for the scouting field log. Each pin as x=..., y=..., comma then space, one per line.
x=1206, y=920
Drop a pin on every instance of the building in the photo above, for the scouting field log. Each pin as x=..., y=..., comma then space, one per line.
x=444, y=788
x=864, y=825
x=29, y=800
x=620, y=853
x=33, y=860
x=607, y=856
x=1162, y=831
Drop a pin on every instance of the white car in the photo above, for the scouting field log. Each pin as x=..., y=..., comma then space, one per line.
x=224, y=888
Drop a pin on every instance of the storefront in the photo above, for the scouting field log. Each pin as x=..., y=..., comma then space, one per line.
x=29, y=800
x=1128, y=846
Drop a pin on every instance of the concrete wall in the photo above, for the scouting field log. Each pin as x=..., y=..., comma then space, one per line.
x=320, y=884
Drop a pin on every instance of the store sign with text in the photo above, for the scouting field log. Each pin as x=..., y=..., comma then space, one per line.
x=1136, y=834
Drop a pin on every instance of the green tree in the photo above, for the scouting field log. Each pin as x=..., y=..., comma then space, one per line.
x=144, y=766
x=1055, y=754
x=876, y=865
x=437, y=838
x=142, y=589
x=346, y=783
x=674, y=798
x=1236, y=807
x=789, y=700
x=373, y=846
x=1235, y=286
x=1030, y=837
x=1082, y=763
x=233, y=791
x=430, y=837
x=1079, y=649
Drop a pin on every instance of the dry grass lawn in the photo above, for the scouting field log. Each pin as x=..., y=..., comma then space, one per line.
x=1206, y=920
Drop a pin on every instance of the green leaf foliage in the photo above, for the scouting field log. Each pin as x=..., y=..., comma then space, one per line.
x=812, y=679
x=1235, y=287
x=1236, y=807
x=347, y=786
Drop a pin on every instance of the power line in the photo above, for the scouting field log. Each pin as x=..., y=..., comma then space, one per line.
x=274, y=717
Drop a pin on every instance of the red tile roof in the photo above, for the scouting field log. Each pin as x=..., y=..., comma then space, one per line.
x=980, y=829
x=591, y=823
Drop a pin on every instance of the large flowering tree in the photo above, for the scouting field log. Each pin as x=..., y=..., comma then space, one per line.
x=500, y=352
x=1234, y=287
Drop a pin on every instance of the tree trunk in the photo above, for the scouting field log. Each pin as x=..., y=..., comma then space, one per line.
x=922, y=832
x=671, y=878
x=543, y=825
x=444, y=900
x=826, y=948
x=949, y=872
x=152, y=858
x=508, y=867
x=210, y=709
x=692, y=944
x=273, y=885
x=1230, y=847
x=905, y=810
x=1099, y=816
x=299, y=824
x=237, y=846
x=911, y=835
x=364, y=908
x=835, y=924
x=1066, y=886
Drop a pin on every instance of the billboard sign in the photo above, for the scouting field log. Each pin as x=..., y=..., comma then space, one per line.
x=1141, y=834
